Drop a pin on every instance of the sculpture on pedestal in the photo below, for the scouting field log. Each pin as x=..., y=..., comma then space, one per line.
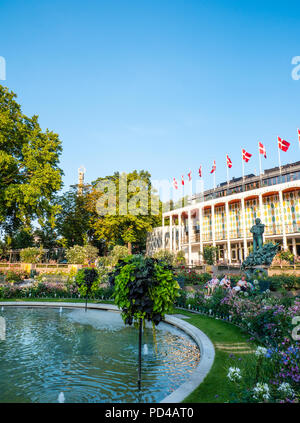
x=262, y=256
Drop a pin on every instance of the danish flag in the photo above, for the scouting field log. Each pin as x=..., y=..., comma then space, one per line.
x=262, y=150
x=299, y=135
x=175, y=184
x=246, y=156
x=214, y=167
x=282, y=144
x=200, y=171
x=229, y=162
x=190, y=175
x=182, y=180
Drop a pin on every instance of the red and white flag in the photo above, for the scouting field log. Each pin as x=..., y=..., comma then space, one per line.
x=229, y=162
x=299, y=135
x=175, y=184
x=214, y=167
x=190, y=175
x=262, y=150
x=182, y=180
x=200, y=171
x=246, y=156
x=282, y=144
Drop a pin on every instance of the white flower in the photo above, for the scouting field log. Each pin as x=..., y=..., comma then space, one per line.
x=234, y=374
x=255, y=282
x=261, y=351
x=246, y=294
x=286, y=389
x=261, y=391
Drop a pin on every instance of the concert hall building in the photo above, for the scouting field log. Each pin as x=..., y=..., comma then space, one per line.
x=223, y=216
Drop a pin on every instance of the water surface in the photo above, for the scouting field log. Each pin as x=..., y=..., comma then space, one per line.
x=89, y=356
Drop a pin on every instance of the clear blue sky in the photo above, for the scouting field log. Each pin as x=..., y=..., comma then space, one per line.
x=160, y=85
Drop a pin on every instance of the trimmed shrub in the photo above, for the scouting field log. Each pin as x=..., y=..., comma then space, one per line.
x=165, y=255
x=81, y=254
x=31, y=255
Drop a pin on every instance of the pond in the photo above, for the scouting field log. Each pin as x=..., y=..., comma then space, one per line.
x=78, y=357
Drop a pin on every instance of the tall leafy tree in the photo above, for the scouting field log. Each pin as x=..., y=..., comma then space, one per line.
x=29, y=167
x=122, y=226
x=73, y=219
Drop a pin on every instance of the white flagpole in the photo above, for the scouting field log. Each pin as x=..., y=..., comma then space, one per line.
x=214, y=179
x=298, y=138
x=243, y=166
x=243, y=169
x=260, y=167
x=227, y=170
x=279, y=160
x=182, y=194
x=259, y=155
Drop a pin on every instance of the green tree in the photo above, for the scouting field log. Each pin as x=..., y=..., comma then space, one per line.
x=122, y=226
x=73, y=219
x=29, y=172
x=22, y=238
x=209, y=254
x=81, y=254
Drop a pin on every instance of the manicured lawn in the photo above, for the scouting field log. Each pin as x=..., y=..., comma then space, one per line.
x=225, y=337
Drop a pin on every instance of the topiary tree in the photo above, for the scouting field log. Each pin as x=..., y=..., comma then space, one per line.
x=87, y=281
x=31, y=255
x=180, y=258
x=81, y=254
x=209, y=254
x=117, y=253
x=145, y=289
x=165, y=255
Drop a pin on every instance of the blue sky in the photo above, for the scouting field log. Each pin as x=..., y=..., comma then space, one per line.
x=157, y=85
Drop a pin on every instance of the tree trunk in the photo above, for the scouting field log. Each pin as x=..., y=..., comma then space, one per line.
x=129, y=246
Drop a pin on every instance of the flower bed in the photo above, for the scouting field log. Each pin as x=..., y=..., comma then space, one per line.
x=50, y=290
x=274, y=374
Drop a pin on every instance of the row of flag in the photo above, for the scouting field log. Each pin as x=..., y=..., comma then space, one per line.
x=283, y=145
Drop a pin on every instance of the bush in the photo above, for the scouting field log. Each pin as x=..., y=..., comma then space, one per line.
x=180, y=258
x=144, y=288
x=87, y=281
x=286, y=255
x=165, y=255
x=209, y=254
x=31, y=255
x=191, y=277
x=12, y=276
x=81, y=254
x=283, y=281
x=117, y=253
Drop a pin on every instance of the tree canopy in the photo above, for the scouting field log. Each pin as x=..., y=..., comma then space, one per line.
x=29, y=171
x=129, y=220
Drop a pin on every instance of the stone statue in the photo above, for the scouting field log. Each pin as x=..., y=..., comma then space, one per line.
x=257, y=230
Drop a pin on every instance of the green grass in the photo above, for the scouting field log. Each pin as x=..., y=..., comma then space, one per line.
x=216, y=388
